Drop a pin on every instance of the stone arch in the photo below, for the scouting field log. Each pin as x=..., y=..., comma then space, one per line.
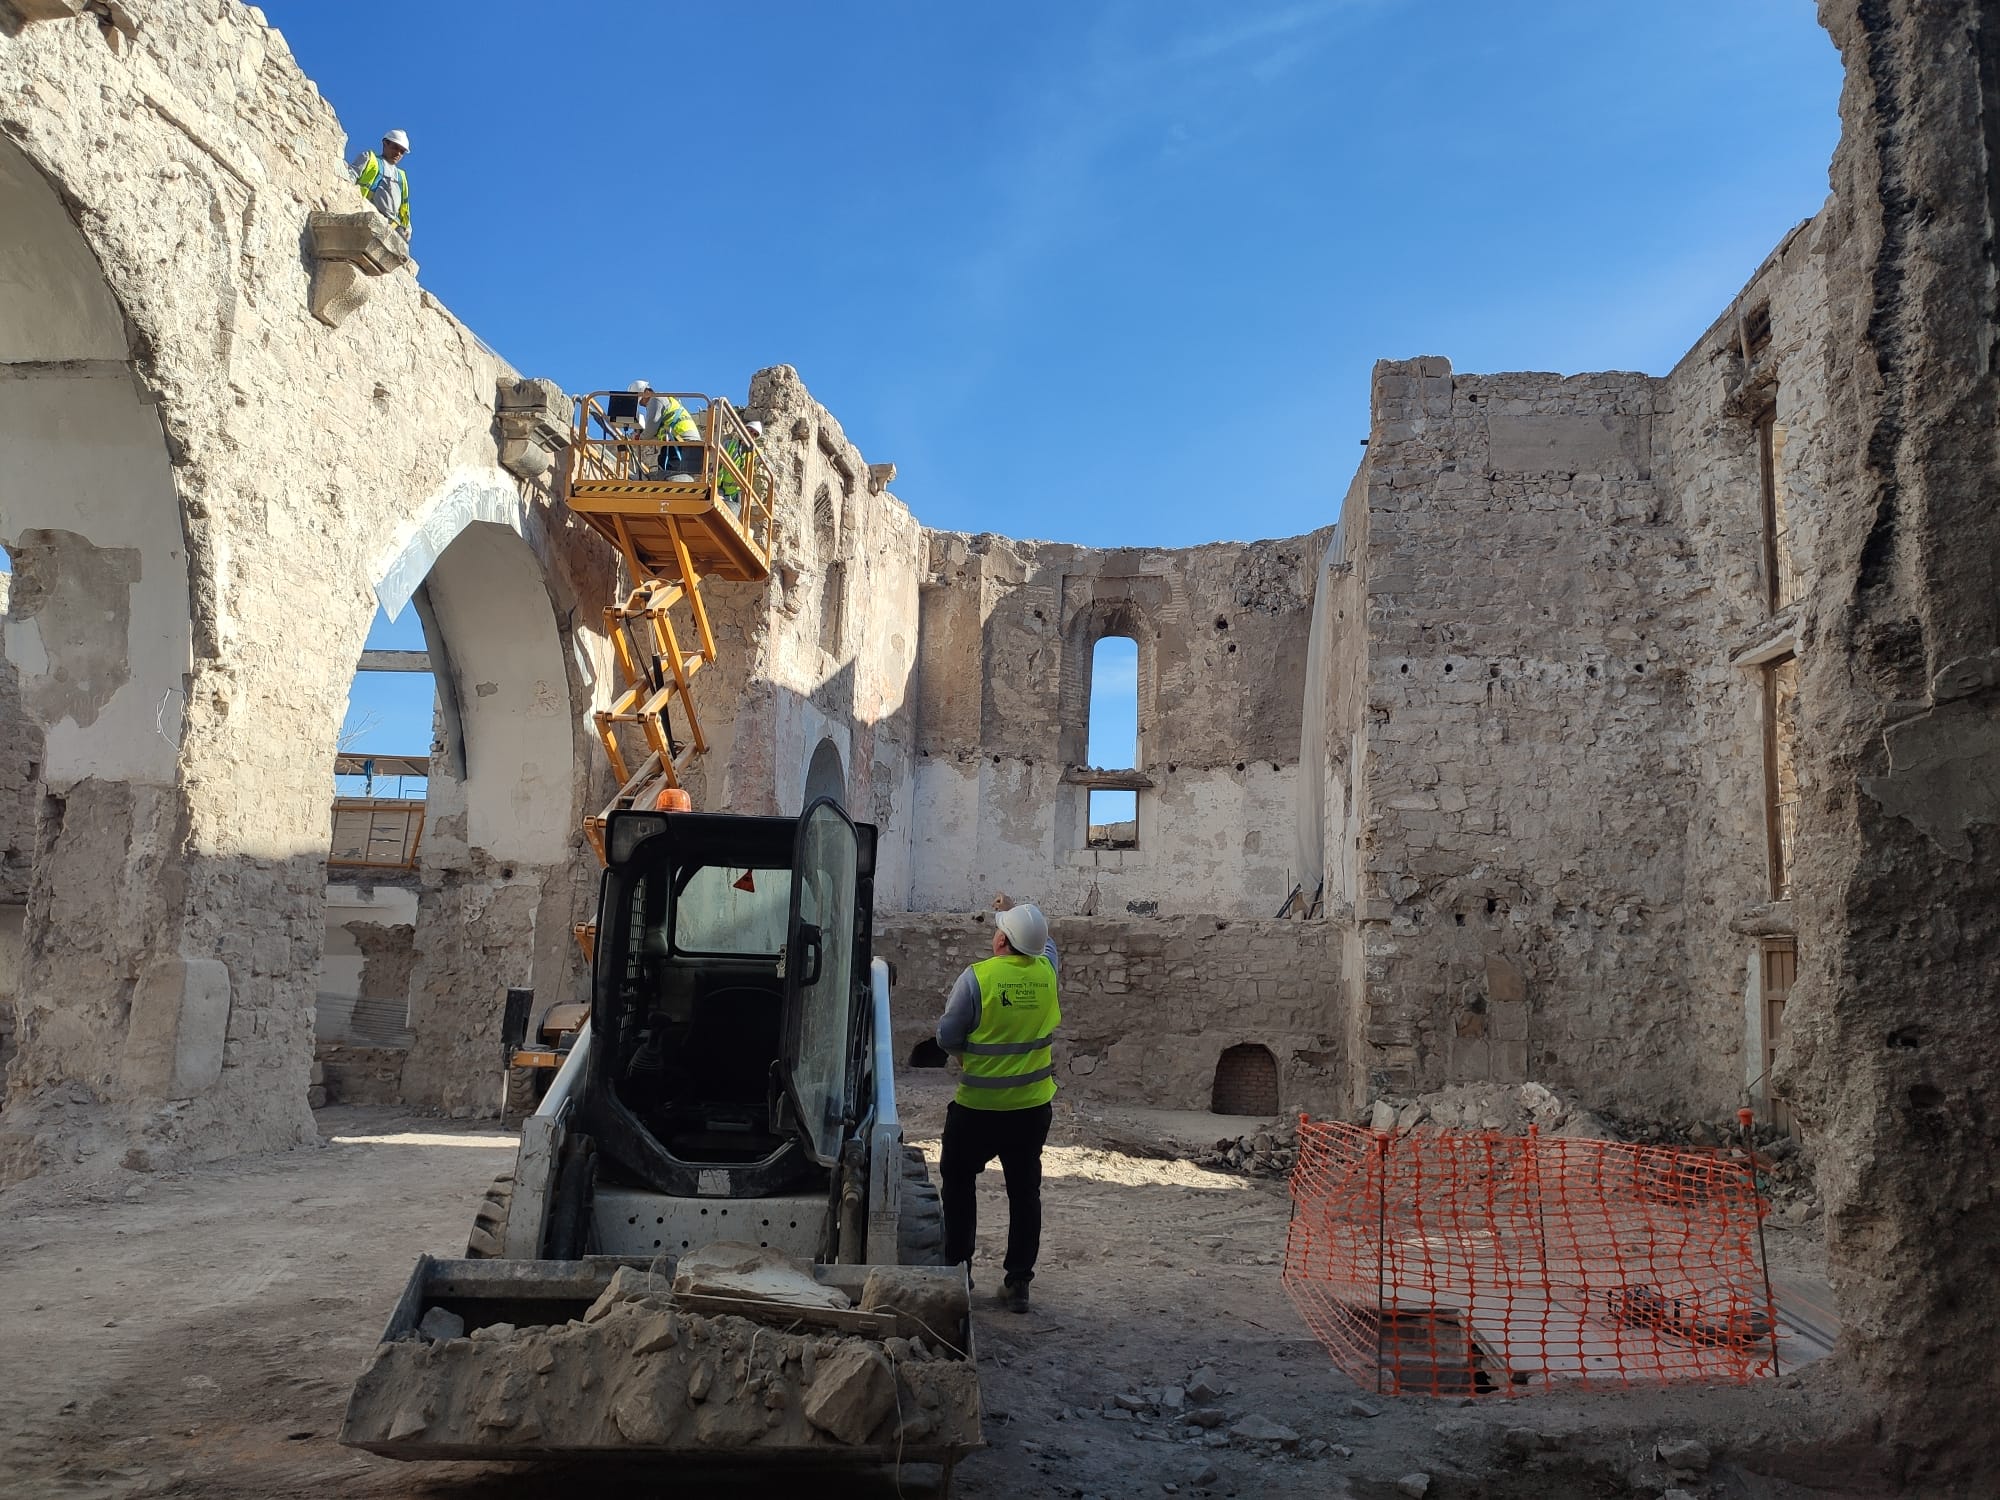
x=95, y=662
x=499, y=884
x=1092, y=622
x=825, y=775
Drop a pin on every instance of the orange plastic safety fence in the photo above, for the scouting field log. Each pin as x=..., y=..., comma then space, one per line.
x=1457, y=1264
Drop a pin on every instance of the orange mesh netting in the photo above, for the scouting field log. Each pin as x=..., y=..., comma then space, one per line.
x=1458, y=1263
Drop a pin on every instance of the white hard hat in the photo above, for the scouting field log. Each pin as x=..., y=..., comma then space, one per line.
x=756, y=428
x=396, y=138
x=1026, y=929
x=640, y=385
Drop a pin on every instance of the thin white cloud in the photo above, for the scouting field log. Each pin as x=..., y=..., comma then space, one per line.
x=1195, y=91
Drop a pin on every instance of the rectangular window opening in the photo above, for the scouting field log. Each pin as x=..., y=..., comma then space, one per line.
x=1114, y=820
x=1756, y=331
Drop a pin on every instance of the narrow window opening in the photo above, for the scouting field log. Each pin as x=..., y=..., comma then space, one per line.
x=1780, y=567
x=1781, y=774
x=833, y=608
x=1113, y=814
x=1780, y=969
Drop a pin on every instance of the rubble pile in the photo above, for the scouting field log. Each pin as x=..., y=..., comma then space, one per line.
x=1508, y=1108
x=1269, y=1152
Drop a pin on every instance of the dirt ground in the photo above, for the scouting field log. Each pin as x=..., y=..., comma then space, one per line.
x=195, y=1335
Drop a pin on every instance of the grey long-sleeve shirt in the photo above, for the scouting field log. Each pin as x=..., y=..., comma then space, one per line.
x=961, y=1011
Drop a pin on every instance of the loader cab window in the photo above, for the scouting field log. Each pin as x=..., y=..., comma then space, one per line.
x=699, y=1007
x=723, y=910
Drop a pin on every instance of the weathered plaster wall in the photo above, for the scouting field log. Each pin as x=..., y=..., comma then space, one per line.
x=1004, y=687
x=1150, y=1004
x=241, y=456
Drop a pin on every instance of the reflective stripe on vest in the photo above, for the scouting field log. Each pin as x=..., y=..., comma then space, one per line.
x=1007, y=1060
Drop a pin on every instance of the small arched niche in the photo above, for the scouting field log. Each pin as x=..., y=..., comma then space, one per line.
x=1246, y=1081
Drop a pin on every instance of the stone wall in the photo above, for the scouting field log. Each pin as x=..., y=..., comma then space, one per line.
x=186, y=452
x=1004, y=678
x=1149, y=1005
x=1716, y=397
x=1899, y=835
x=1520, y=814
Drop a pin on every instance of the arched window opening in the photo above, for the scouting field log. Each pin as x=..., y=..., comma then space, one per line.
x=1114, y=740
x=1246, y=1081
x=927, y=1054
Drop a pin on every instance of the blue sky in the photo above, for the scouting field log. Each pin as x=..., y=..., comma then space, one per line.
x=1109, y=273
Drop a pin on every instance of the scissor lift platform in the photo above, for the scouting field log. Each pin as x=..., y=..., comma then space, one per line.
x=711, y=520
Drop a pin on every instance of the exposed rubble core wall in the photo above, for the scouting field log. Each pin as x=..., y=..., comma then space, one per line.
x=1894, y=1042
x=1150, y=1005
x=234, y=455
x=1009, y=629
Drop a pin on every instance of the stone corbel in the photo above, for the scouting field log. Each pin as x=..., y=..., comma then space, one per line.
x=880, y=477
x=346, y=250
x=534, y=426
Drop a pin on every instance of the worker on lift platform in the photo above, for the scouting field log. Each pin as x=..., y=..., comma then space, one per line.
x=664, y=418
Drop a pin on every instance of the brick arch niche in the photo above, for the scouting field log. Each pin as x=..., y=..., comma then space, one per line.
x=1246, y=1081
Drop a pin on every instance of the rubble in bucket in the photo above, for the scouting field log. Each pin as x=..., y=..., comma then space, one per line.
x=741, y=1349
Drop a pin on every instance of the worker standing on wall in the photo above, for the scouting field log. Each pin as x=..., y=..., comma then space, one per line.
x=1000, y=1022
x=384, y=183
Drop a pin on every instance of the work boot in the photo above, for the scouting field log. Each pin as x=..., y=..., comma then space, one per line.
x=1015, y=1295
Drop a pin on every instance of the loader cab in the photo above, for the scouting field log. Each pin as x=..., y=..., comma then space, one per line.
x=729, y=1001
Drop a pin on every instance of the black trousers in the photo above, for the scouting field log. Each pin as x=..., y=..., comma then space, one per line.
x=972, y=1138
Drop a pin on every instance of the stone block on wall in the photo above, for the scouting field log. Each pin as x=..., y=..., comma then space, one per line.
x=179, y=1024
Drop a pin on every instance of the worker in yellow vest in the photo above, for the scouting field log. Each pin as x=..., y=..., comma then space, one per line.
x=999, y=1023
x=384, y=183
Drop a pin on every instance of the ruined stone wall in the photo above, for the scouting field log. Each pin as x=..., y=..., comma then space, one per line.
x=825, y=652
x=1529, y=764
x=189, y=453
x=1149, y=1005
x=1893, y=1041
x=1715, y=397
x=1004, y=690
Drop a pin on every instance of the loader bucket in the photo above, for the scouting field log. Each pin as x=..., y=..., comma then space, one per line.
x=524, y=1359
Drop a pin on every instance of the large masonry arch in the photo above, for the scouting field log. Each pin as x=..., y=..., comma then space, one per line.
x=209, y=473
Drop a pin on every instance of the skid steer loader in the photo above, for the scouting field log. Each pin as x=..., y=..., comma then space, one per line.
x=732, y=1090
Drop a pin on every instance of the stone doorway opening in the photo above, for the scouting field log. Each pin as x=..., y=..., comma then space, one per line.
x=1246, y=1081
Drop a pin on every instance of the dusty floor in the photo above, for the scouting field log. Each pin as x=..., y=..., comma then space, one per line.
x=195, y=1336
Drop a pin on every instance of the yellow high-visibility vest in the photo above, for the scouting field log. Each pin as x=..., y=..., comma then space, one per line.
x=372, y=167
x=1008, y=1062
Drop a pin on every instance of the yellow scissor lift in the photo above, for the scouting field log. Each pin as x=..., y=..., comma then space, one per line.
x=712, y=520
